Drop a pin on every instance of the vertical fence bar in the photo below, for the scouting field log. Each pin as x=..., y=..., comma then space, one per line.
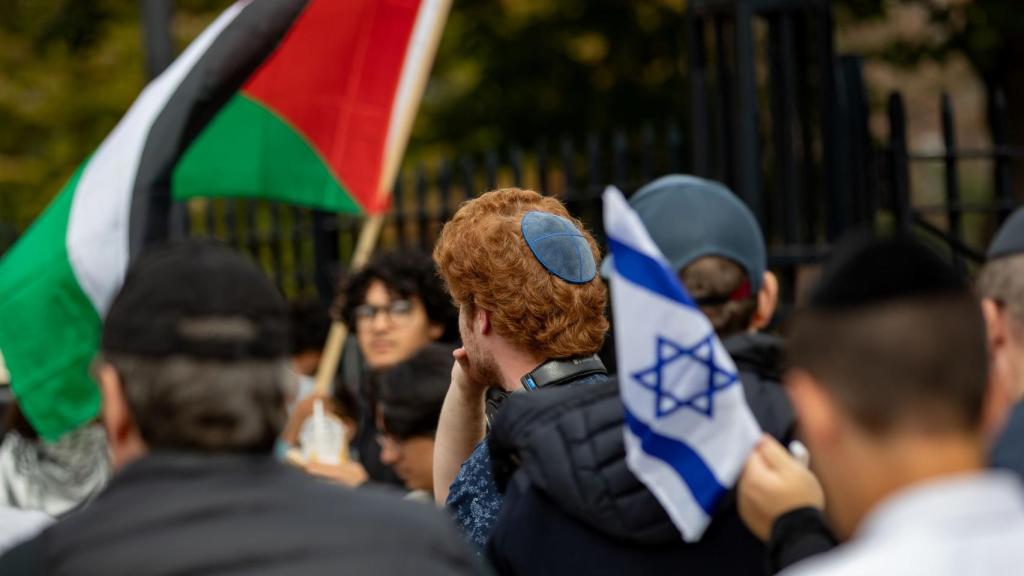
x=787, y=175
x=674, y=149
x=567, y=157
x=725, y=110
x=296, y=237
x=899, y=174
x=648, y=153
x=399, y=213
x=468, y=170
x=210, y=217
x=814, y=191
x=491, y=169
x=515, y=161
x=698, y=97
x=831, y=139
x=543, y=168
x=270, y=240
x=954, y=209
x=748, y=175
x=444, y=190
x=422, y=215
x=1003, y=178
x=230, y=228
x=326, y=255
x=620, y=159
x=594, y=172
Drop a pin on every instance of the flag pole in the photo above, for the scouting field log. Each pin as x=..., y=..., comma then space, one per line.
x=336, y=337
x=423, y=47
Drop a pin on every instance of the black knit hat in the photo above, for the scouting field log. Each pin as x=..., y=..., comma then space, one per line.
x=197, y=298
x=866, y=270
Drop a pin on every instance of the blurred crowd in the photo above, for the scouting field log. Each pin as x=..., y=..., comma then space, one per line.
x=479, y=423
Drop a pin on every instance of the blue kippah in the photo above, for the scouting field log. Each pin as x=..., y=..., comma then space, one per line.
x=559, y=247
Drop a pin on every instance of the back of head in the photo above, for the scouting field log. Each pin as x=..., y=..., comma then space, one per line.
x=411, y=393
x=521, y=257
x=198, y=336
x=712, y=240
x=895, y=335
x=1002, y=277
x=690, y=218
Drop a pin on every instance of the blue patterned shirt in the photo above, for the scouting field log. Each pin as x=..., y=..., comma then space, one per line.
x=473, y=499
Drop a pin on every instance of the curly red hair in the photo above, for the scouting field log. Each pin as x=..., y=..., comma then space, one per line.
x=485, y=262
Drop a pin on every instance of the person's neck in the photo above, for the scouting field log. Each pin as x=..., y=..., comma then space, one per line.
x=901, y=462
x=513, y=365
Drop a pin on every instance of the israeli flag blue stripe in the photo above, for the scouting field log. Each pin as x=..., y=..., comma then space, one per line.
x=642, y=270
x=684, y=460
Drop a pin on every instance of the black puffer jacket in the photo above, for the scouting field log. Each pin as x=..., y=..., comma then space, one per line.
x=240, y=514
x=572, y=506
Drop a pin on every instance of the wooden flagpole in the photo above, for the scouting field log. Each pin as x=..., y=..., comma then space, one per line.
x=423, y=46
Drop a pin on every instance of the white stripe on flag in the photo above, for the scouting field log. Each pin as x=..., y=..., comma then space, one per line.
x=98, y=227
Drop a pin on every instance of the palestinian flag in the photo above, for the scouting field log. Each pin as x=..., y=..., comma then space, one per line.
x=301, y=101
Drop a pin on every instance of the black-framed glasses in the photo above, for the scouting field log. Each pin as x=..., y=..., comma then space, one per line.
x=396, y=311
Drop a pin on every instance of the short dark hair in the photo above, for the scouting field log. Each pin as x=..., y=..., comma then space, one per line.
x=206, y=405
x=411, y=393
x=1002, y=280
x=309, y=323
x=407, y=274
x=918, y=362
x=714, y=278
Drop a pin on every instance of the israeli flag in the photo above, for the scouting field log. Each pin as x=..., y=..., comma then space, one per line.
x=688, y=427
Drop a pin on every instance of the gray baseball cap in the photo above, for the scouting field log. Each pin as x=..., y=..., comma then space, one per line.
x=690, y=218
x=1009, y=240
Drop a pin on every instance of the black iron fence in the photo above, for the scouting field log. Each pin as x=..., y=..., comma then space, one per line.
x=305, y=250
x=944, y=212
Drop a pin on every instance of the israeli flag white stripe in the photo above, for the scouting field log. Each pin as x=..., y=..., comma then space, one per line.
x=688, y=427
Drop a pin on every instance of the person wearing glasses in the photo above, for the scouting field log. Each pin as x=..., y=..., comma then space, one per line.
x=394, y=306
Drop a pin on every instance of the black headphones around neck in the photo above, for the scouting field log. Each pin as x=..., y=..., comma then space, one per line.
x=551, y=373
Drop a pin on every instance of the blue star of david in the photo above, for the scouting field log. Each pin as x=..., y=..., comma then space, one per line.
x=669, y=352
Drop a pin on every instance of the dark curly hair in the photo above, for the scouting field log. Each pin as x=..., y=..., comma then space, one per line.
x=407, y=274
x=411, y=393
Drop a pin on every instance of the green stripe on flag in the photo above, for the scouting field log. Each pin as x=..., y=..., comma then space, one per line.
x=50, y=331
x=248, y=151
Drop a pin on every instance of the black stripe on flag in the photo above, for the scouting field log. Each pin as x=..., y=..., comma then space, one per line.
x=236, y=53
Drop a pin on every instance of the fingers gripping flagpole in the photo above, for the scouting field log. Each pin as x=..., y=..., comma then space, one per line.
x=422, y=47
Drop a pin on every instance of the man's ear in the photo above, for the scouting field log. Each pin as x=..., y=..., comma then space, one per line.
x=123, y=435
x=115, y=413
x=1001, y=390
x=996, y=328
x=767, y=300
x=815, y=408
x=482, y=319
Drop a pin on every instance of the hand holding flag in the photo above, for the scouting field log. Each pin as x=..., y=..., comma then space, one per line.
x=688, y=427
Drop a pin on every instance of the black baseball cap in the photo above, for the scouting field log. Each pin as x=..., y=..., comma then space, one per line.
x=197, y=298
x=866, y=269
